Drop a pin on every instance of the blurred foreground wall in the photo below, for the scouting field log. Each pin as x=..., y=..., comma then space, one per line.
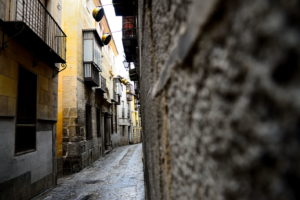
x=220, y=98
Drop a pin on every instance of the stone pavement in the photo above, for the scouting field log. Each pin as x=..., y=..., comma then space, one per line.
x=119, y=175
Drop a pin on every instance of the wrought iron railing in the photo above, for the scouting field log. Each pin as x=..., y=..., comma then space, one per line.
x=129, y=97
x=103, y=83
x=36, y=16
x=115, y=96
x=91, y=74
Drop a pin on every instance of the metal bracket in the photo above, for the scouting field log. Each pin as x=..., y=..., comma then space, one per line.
x=18, y=26
x=64, y=66
x=35, y=62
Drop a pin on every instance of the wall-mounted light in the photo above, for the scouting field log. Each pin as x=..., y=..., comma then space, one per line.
x=106, y=38
x=98, y=13
x=126, y=65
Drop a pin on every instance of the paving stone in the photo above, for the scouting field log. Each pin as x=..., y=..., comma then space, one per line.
x=119, y=175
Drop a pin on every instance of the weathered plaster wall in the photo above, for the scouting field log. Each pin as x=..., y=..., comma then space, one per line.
x=220, y=99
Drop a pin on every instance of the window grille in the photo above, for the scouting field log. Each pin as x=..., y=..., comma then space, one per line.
x=26, y=112
x=88, y=120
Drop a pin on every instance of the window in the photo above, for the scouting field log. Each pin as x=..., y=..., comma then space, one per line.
x=88, y=122
x=91, y=48
x=123, y=130
x=26, y=113
x=98, y=123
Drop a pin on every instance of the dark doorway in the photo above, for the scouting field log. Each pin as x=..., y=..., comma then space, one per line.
x=88, y=121
x=98, y=123
x=26, y=112
x=105, y=132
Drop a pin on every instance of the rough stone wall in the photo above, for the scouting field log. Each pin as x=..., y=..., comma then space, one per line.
x=220, y=98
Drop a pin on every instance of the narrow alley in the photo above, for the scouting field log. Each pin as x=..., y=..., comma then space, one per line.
x=119, y=175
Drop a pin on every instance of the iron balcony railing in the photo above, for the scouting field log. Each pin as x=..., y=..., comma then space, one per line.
x=129, y=97
x=91, y=74
x=115, y=96
x=103, y=83
x=38, y=19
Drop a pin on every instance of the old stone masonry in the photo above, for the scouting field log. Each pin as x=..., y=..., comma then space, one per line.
x=116, y=176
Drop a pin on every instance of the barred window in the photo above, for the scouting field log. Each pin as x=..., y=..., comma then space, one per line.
x=26, y=112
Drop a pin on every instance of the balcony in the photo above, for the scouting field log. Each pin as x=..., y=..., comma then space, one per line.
x=124, y=7
x=136, y=88
x=129, y=88
x=114, y=96
x=129, y=97
x=102, y=86
x=117, y=99
x=129, y=38
x=133, y=75
x=91, y=74
x=32, y=22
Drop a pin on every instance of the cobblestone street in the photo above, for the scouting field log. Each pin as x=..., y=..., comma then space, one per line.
x=119, y=175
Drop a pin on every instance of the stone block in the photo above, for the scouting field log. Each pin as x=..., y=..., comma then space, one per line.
x=55, y=87
x=66, y=112
x=73, y=121
x=54, y=100
x=73, y=149
x=54, y=113
x=50, y=112
x=14, y=69
x=12, y=105
x=72, y=131
x=95, y=142
x=65, y=132
x=84, y=156
x=99, y=140
x=42, y=111
x=88, y=145
x=82, y=131
x=43, y=83
x=66, y=122
x=73, y=112
x=8, y=86
x=96, y=150
x=3, y=105
x=50, y=85
x=5, y=64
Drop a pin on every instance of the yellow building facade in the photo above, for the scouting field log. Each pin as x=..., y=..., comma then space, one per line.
x=136, y=121
x=87, y=126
